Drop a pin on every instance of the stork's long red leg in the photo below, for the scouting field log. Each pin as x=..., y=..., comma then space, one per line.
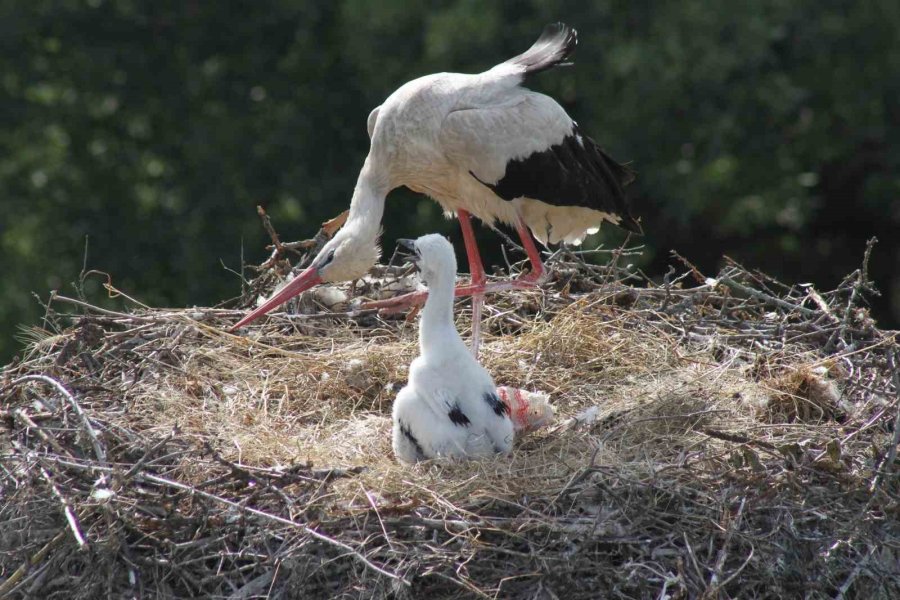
x=537, y=265
x=476, y=268
x=476, y=271
x=479, y=285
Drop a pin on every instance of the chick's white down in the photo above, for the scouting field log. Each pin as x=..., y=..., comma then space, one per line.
x=449, y=407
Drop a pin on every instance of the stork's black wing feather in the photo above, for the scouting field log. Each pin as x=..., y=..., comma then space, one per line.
x=574, y=172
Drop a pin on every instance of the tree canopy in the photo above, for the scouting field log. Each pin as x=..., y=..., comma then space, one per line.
x=765, y=130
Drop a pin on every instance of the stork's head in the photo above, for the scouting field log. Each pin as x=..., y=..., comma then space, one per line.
x=349, y=255
x=434, y=257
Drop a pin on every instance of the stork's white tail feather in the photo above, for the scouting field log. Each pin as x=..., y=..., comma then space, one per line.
x=556, y=44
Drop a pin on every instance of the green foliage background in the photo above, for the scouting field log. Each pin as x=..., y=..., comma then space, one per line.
x=765, y=129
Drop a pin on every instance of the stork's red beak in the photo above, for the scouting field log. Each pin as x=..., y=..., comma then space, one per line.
x=301, y=283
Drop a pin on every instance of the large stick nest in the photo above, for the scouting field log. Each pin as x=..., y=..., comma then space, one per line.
x=716, y=437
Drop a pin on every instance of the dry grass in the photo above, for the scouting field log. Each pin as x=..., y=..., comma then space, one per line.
x=708, y=442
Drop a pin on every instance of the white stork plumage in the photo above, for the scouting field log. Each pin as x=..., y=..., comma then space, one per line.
x=481, y=145
x=450, y=406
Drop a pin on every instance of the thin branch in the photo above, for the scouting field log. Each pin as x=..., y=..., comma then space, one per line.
x=103, y=311
x=895, y=439
x=22, y=416
x=891, y=455
x=86, y=424
x=851, y=578
x=67, y=509
x=715, y=581
x=275, y=518
x=267, y=225
x=37, y=558
x=766, y=298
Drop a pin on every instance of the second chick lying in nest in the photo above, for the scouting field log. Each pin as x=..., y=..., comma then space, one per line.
x=450, y=406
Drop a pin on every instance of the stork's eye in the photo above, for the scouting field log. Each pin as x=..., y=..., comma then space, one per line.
x=328, y=258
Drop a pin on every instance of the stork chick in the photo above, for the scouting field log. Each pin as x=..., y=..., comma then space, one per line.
x=450, y=406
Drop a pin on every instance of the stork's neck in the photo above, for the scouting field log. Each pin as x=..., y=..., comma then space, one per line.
x=437, y=332
x=367, y=204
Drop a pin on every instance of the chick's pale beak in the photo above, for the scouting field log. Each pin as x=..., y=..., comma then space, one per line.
x=408, y=244
x=305, y=280
x=408, y=251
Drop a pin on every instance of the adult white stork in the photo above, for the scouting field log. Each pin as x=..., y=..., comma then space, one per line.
x=482, y=145
x=450, y=406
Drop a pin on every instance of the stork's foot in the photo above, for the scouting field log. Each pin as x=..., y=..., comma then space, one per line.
x=405, y=301
x=400, y=303
x=396, y=304
x=532, y=279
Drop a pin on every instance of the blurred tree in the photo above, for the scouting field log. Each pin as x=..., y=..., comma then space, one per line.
x=767, y=130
